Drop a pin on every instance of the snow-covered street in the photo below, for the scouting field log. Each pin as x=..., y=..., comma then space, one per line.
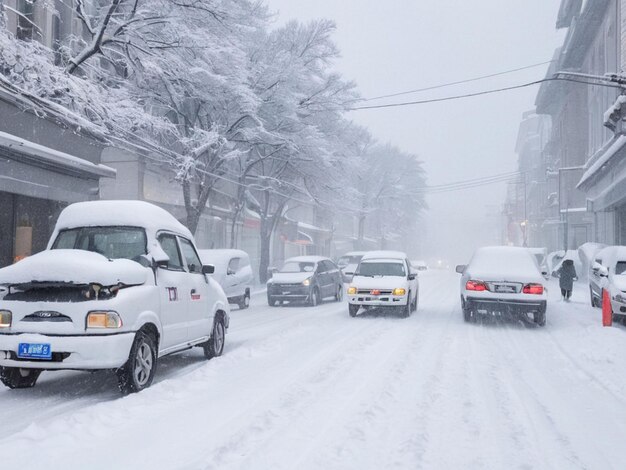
x=302, y=387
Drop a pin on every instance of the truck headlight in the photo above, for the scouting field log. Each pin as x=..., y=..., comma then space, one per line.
x=99, y=319
x=351, y=290
x=5, y=318
x=306, y=282
x=399, y=291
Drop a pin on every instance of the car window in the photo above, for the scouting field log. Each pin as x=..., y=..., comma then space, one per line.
x=191, y=257
x=170, y=247
x=620, y=267
x=233, y=265
x=330, y=265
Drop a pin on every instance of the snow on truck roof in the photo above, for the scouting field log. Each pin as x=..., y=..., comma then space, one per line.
x=122, y=213
x=384, y=255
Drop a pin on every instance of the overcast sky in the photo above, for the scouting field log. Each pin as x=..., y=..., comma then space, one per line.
x=397, y=45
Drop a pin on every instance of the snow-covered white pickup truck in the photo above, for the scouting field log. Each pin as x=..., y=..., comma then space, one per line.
x=384, y=279
x=119, y=286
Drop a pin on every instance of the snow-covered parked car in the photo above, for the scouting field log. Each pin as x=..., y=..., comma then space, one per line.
x=608, y=271
x=119, y=286
x=503, y=279
x=384, y=279
x=348, y=263
x=233, y=272
x=541, y=256
x=305, y=279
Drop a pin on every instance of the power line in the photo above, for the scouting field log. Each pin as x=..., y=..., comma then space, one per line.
x=475, y=180
x=480, y=93
x=459, y=82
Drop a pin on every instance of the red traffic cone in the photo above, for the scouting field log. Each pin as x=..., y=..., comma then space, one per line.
x=607, y=309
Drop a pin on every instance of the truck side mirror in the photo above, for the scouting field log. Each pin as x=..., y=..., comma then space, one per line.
x=461, y=268
x=208, y=269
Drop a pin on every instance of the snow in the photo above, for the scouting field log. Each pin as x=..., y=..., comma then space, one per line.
x=384, y=254
x=504, y=263
x=73, y=266
x=51, y=156
x=221, y=258
x=605, y=155
x=118, y=213
x=290, y=277
x=312, y=388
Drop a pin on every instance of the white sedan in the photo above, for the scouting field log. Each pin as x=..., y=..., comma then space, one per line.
x=503, y=279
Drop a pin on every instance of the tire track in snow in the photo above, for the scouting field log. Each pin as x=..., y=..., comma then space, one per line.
x=303, y=392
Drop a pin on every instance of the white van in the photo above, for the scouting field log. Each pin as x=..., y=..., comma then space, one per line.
x=119, y=286
x=233, y=272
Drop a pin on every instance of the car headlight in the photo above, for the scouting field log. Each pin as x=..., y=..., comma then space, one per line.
x=306, y=282
x=99, y=319
x=620, y=298
x=399, y=291
x=351, y=290
x=5, y=318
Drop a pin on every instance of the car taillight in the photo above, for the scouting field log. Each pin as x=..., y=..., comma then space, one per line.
x=533, y=289
x=475, y=286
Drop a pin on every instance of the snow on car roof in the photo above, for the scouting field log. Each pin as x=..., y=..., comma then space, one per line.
x=384, y=254
x=510, y=262
x=309, y=259
x=123, y=213
x=611, y=255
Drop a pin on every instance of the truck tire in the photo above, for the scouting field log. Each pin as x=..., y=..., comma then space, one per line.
x=16, y=377
x=138, y=372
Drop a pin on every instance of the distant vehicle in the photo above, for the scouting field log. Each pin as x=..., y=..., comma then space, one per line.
x=384, y=279
x=119, y=286
x=502, y=280
x=348, y=263
x=609, y=272
x=306, y=279
x=541, y=255
x=440, y=264
x=233, y=272
x=419, y=265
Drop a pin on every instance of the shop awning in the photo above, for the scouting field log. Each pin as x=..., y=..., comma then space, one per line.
x=37, y=171
x=49, y=158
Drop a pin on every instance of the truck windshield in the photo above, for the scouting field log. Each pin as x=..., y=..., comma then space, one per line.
x=112, y=242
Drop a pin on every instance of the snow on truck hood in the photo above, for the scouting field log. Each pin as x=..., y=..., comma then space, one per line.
x=290, y=277
x=73, y=266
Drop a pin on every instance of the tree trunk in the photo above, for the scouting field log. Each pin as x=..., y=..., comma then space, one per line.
x=361, y=233
x=233, y=226
x=264, y=262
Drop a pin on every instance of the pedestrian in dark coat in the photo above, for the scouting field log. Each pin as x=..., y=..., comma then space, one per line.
x=567, y=274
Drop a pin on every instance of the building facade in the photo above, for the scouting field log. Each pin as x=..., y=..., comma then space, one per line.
x=582, y=157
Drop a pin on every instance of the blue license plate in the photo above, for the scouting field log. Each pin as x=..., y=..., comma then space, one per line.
x=34, y=351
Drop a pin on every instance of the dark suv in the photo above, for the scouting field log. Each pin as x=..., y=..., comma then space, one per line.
x=306, y=279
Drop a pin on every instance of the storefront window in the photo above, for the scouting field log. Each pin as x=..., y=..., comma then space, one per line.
x=27, y=224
